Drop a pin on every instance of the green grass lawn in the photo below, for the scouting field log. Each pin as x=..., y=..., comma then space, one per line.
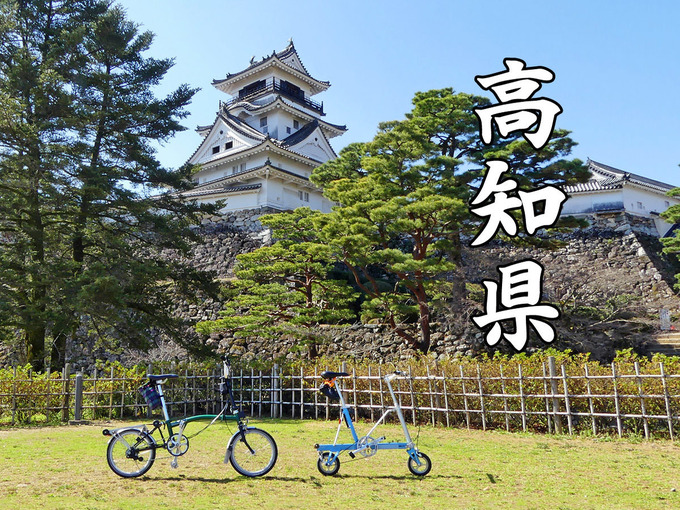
x=65, y=467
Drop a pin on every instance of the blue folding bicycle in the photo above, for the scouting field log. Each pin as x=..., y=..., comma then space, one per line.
x=329, y=462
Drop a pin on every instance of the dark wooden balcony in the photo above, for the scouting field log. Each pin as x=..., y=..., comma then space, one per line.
x=283, y=88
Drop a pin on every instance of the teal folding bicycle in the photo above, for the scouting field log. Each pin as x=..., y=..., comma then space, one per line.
x=132, y=450
x=329, y=454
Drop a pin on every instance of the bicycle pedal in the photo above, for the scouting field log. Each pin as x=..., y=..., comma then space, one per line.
x=351, y=454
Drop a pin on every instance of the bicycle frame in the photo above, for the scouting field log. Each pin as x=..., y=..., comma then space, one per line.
x=225, y=390
x=360, y=445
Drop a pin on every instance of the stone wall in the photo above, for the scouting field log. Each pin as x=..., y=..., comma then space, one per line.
x=613, y=263
x=606, y=262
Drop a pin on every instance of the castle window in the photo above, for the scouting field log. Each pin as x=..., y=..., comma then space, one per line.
x=296, y=124
x=228, y=145
x=253, y=87
x=263, y=121
x=288, y=129
x=640, y=206
x=303, y=195
x=216, y=149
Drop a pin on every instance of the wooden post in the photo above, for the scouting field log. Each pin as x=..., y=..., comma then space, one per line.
x=279, y=372
x=643, y=409
x=481, y=396
x=66, y=377
x=591, y=406
x=413, y=398
x=433, y=418
x=14, y=396
x=78, y=407
x=505, y=400
x=566, y=401
x=111, y=396
x=48, y=387
x=302, y=393
x=122, y=400
x=273, y=409
x=465, y=401
x=193, y=390
x=252, y=392
x=354, y=393
x=547, y=399
x=619, y=425
x=94, y=391
x=370, y=393
x=316, y=393
x=522, y=398
x=553, y=388
x=446, y=399
x=667, y=400
x=380, y=380
x=259, y=400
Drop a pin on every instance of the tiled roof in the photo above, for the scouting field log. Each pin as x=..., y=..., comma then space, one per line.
x=300, y=134
x=605, y=177
x=253, y=107
x=214, y=191
x=237, y=125
x=281, y=55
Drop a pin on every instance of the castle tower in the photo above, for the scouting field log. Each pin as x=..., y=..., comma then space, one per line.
x=266, y=140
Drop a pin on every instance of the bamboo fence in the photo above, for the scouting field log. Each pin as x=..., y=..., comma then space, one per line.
x=545, y=397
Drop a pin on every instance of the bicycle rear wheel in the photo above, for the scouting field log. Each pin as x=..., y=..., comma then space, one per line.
x=253, y=452
x=131, y=453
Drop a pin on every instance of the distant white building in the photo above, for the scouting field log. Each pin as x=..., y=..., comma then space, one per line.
x=611, y=191
x=266, y=140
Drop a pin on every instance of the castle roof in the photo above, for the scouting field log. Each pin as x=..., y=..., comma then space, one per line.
x=605, y=178
x=287, y=60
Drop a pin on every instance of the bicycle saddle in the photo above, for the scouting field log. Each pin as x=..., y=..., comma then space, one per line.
x=154, y=378
x=332, y=375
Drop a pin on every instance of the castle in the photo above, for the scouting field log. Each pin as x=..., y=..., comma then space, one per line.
x=265, y=141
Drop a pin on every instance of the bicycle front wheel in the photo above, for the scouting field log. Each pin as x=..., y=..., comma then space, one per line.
x=253, y=452
x=131, y=453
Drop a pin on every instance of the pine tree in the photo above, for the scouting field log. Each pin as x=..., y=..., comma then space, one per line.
x=85, y=206
x=403, y=204
x=286, y=288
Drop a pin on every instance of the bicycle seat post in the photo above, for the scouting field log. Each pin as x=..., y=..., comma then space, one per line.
x=397, y=407
x=159, y=386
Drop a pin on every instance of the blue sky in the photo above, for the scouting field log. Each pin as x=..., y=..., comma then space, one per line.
x=616, y=63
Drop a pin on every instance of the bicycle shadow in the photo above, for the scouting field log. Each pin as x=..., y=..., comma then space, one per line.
x=313, y=480
x=242, y=479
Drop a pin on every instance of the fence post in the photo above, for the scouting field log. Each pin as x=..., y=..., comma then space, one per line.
x=481, y=396
x=566, y=401
x=446, y=399
x=591, y=406
x=643, y=408
x=66, y=374
x=667, y=400
x=619, y=425
x=14, y=396
x=429, y=385
x=275, y=386
x=522, y=398
x=553, y=388
x=505, y=399
x=78, y=404
x=465, y=401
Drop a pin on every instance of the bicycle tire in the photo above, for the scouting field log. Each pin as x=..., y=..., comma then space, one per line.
x=256, y=455
x=425, y=465
x=327, y=469
x=123, y=453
